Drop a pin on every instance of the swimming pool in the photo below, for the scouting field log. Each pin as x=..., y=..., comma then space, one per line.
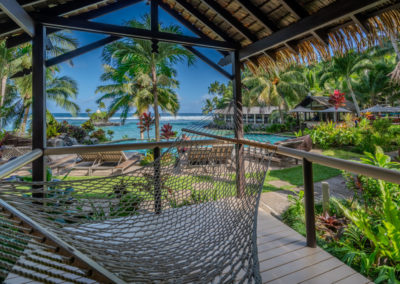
x=265, y=138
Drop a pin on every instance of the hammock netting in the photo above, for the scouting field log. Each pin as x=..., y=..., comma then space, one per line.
x=182, y=218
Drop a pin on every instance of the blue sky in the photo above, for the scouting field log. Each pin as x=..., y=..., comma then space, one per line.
x=87, y=68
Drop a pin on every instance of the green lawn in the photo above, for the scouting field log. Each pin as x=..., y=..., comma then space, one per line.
x=294, y=176
x=342, y=154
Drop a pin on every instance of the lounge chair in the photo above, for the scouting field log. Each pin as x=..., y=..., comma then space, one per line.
x=221, y=154
x=114, y=160
x=199, y=156
x=86, y=161
x=11, y=152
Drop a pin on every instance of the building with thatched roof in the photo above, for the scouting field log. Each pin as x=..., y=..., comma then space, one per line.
x=251, y=115
x=318, y=108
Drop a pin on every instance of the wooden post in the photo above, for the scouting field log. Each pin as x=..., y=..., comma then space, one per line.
x=309, y=203
x=157, y=180
x=39, y=102
x=238, y=123
x=325, y=197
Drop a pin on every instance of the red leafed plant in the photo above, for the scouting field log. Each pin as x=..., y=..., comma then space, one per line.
x=337, y=99
x=166, y=131
x=331, y=227
x=145, y=123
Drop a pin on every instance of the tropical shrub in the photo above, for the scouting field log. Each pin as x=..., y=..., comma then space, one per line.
x=364, y=232
x=99, y=134
x=361, y=136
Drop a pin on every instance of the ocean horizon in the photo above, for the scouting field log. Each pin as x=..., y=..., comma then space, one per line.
x=130, y=129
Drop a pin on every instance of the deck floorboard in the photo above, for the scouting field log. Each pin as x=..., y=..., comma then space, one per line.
x=285, y=258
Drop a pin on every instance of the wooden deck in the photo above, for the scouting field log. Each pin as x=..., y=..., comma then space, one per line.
x=285, y=258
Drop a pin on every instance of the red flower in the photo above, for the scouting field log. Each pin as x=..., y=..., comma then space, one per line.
x=337, y=99
x=166, y=131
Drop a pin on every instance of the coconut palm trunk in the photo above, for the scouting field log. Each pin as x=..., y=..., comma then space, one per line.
x=25, y=119
x=155, y=94
x=393, y=40
x=353, y=97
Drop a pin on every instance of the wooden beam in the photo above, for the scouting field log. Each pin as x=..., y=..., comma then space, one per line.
x=69, y=55
x=208, y=61
x=238, y=124
x=222, y=12
x=173, y=13
x=295, y=8
x=154, y=15
x=360, y=21
x=63, y=10
x=258, y=15
x=39, y=103
x=338, y=10
x=18, y=15
x=321, y=36
x=202, y=18
x=122, y=31
x=79, y=51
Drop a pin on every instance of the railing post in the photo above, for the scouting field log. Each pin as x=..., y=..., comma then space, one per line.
x=157, y=180
x=39, y=103
x=238, y=123
x=309, y=203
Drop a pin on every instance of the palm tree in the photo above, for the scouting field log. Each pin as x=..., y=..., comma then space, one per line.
x=10, y=61
x=137, y=58
x=61, y=90
x=342, y=70
x=374, y=85
x=276, y=87
x=209, y=106
x=128, y=93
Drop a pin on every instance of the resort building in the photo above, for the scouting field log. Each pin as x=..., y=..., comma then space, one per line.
x=251, y=115
x=318, y=108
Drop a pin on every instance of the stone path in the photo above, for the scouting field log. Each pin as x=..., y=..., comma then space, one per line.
x=276, y=202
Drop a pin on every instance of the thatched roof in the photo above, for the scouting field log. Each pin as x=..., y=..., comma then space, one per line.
x=287, y=27
x=321, y=103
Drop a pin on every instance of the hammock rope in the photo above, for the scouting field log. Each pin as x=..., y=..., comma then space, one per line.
x=178, y=219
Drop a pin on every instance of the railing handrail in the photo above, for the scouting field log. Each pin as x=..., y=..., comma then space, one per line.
x=13, y=165
x=127, y=146
x=340, y=164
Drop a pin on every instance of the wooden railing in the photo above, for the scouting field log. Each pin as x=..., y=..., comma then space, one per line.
x=307, y=158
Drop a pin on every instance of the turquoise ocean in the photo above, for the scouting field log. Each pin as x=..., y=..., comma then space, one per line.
x=130, y=128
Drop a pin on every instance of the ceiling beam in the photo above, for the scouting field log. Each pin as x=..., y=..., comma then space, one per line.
x=222, y=12
x=18, y=15
x=123, y=31
x=202, y=18
x=295, y=8
x=258, y=15
x=360, y=21
x=208, y=61
x=69, y=55
x=338, y=10
x=75, y=5
x=321, y=36
x=58, y=10
x=173, y=13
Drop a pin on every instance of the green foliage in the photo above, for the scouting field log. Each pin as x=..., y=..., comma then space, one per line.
x=295, y=215
x=362, y=137
x=88, y=125
x=99, y=116
x=370, y=242
x=99, y=134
